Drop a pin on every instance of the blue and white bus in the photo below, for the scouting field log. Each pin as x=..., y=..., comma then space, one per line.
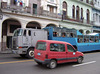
x=81, y=42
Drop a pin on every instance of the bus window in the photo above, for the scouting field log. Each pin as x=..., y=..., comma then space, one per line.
x=91, y=39
x=63, y=34
x=68, y=35
x=71, y=35
x=80, y=39
x=86, y=39
x=96, y=39
x=54, y=34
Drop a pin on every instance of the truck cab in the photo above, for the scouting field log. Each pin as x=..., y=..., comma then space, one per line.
x=24, y=40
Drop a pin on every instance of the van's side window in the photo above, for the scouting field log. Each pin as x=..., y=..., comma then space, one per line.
x=70, y=48
x=57, y=47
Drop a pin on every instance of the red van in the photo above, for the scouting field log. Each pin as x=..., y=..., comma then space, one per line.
x=51, y=53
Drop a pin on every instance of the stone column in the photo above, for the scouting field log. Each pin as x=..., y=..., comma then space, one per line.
x=0, y=34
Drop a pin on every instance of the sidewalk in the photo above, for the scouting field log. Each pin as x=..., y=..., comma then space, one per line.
x=7, y=51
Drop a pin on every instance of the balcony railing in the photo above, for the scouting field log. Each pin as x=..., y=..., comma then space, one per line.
x=50, y=14
x=80, y=20
x=88, y=2
x=15, y=8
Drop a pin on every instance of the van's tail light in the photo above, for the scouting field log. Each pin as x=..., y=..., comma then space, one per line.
x=46, y=56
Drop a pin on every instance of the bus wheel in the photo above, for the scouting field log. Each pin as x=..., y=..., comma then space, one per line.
x=79, y=60
x=52, y=64
x=30, y=53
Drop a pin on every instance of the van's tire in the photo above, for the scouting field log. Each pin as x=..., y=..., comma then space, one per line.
x=30, y=53
x=52, y=64
x=80, y=60
x=23, y=55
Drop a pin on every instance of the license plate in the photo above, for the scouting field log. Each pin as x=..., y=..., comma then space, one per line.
x=39, y=54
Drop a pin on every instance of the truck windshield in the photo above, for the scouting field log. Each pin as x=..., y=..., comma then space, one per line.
x=41, y=46
x=18, y=32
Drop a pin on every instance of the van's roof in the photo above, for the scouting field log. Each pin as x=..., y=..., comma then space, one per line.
x=53, y=41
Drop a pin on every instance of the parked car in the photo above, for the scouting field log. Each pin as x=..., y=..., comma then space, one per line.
x=51, y=53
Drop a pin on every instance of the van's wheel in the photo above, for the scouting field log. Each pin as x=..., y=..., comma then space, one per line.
x=52, y=64
x=30, y=53
x=80, y=60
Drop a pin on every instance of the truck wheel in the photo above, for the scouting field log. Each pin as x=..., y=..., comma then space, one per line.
x=79, y=60
x=30, y=53
x=52, y=64
x=23, y=55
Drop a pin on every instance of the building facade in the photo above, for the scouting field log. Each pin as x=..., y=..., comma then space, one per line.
x=42, y=13
x=78, y=13
x=96, y=16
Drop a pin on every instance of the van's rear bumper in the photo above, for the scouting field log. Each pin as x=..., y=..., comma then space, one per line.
x=46, y=61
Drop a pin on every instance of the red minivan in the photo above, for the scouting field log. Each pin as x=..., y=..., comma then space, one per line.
x=51, y=53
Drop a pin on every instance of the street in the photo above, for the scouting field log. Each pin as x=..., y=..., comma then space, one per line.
x=14, y=64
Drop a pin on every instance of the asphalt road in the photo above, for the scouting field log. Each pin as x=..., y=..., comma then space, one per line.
x=14, y=64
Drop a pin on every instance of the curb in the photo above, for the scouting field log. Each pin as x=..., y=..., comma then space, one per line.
x=6, y=52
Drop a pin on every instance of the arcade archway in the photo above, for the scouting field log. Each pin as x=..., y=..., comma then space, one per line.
x=8, y=27
x=34, y=25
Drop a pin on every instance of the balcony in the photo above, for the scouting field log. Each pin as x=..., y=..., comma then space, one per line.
x=50, y=14
x=87, y=2
x=79, y=20
x=15, y=8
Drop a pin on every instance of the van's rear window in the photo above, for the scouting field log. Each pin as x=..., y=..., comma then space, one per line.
x=41, y=46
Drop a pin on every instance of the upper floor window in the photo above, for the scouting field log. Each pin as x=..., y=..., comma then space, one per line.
x=99, y=18
x=64, y=10
x=87, y=1
x=88, y=16
x=13, y=2
x=82, y=18
x=77, y=13
x=73, y=12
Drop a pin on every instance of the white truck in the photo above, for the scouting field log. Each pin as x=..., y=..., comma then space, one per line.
x=24, y=40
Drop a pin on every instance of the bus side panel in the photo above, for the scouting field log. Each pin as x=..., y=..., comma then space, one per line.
x=88, y=47
x=69, y=40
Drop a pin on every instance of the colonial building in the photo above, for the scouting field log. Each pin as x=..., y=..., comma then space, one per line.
x=77, y=14
x=25, y=14
x=96, y=16
x=42, y=13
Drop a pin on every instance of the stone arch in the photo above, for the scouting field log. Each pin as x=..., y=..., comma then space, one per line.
x=52, y=25
x=8, y=27
x=33, y=24
x=87, y=32
x=81, y=31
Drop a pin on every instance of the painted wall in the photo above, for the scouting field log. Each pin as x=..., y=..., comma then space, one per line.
x=70, y=3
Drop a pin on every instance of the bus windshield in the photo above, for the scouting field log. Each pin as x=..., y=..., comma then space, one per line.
x=18, y=32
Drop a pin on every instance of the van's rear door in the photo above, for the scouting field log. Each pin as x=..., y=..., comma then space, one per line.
x=40, y=51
